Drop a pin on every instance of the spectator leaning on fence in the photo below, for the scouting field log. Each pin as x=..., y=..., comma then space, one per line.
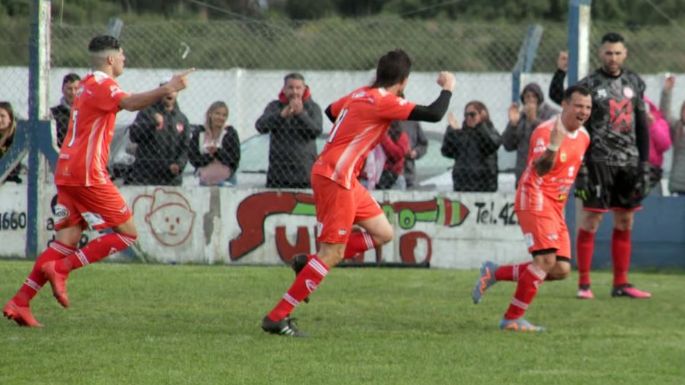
x=659, y=142
x=161, y=135
x=395, y=144
x=294, y=121
x=8, y=128
x=522, y=122
x=418, y=144
x=215, y=148
x=473, y=146
x=676, y=183
x=61, y=112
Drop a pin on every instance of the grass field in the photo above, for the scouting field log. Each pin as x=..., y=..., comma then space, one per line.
x=155, y=324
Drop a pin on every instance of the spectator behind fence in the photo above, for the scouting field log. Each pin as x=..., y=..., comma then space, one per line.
x=676, y=183
x=372, y=170
x=215, y=148
x=160, y=133
x=659, y=143
x=61, y=112
x=8, y=127
x=473, y=146
x=522, y=122
x=294, y=121
x=418, y=144
x=395, y=144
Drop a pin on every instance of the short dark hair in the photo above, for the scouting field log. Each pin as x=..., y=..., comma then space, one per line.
x=103, y=43
x=392, y=68
x=613, y=37
x=70, y=78
x=576, y=89
x=293, y=75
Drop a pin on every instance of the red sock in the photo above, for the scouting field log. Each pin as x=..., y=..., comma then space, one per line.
x=358, y=242
x=305, y=283
x=510, y=272
x=527, y=287
x=94, y=251
x=35, y=281
x=585, y=247
x=620, y=255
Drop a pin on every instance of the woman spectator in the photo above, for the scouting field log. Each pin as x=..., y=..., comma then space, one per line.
x=396, y=146
x=659, y=142
x=676, y=183
x=215, y=148
x=8, y=127
x=473, y=146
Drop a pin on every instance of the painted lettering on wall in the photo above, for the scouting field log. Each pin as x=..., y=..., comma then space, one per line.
x=487, y=213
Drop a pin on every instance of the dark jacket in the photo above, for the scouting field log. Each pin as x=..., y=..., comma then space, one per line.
x=517, y=137
x=13, y=175
x=158, y=149
x=292, y=148
x=61, y=114
x=228, y=153
x=474, y=151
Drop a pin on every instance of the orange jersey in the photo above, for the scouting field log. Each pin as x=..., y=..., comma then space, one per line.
x=84, y=154
x=549, y=192
x=363, y=117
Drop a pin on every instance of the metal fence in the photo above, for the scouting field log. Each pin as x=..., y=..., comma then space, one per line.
x=243, y=63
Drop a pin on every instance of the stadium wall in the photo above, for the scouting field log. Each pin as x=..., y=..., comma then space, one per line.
x=211, y=225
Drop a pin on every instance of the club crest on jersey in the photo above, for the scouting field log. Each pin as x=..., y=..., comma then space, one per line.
x=539, y=146
x=180, y=127
x=562, y=157
x=628, y=92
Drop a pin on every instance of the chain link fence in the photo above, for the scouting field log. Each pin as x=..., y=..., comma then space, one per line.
x=242, y=63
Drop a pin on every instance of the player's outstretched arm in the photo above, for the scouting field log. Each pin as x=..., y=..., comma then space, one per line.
x=436, y=110
x=135, y=102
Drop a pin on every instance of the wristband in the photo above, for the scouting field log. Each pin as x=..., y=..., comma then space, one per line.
x=553, y=148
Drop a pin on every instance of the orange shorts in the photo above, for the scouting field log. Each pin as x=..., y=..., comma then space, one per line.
x=545, y=230
x=338, y=208
x=98, y=207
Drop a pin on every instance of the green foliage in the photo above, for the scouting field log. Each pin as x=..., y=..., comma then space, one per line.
x=157, y=324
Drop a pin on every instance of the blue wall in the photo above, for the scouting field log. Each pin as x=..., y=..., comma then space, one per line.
x=658, y=234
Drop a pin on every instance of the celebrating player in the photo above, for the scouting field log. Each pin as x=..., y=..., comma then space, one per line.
x=361, y=119
x=555, y=154
x=616, y=171
x=85, y=194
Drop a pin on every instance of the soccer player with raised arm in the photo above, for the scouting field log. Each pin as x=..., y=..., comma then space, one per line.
x=615, y=174
x=361, y=119
x=86, y=196
x=555, y=154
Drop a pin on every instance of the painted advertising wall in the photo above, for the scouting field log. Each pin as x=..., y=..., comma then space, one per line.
x=235, y=226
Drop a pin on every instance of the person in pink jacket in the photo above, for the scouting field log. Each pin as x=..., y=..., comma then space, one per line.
x=659, y=141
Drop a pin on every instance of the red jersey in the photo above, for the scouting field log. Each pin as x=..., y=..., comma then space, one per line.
x=549, y=192
x=363, y=117
x=84, y=154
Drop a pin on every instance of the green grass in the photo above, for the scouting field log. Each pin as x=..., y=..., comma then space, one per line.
x=155, y=324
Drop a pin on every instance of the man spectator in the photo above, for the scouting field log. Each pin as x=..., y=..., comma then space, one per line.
x=676, y=183
x=522, y=122
x=418, y=144
x=161, y=134
x=61, y=112
x=294, y=121
x=615, y=173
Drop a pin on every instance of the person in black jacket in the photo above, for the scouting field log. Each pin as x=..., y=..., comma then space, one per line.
x=8, y=128
x=161, y=135
x=473, y=146
x=61, y=112
x=294, y=121
x=215, y=148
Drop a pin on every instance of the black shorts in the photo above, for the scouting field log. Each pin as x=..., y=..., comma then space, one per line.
x=615, y=187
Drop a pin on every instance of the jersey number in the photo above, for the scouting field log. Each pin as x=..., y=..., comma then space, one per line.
x=74, y=119
x=337, y=124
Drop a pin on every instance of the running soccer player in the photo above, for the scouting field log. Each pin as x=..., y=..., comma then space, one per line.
x=615, y=175
x=361, y=119
x=555, y=154
x=85, y=194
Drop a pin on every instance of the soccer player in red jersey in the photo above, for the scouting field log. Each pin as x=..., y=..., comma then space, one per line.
x=555, y=154
x=361, y=119
x=86, y=197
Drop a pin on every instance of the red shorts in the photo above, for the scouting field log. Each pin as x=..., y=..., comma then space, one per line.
x=545, y=230
x=98, y=207
x=338, y=208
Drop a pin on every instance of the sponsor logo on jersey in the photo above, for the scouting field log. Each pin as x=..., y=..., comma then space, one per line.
x=93, y=219
x=601, y=93
x=562, y=157
x=342, y=231
x=61, y=213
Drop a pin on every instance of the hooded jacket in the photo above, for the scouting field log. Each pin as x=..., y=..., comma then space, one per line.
x=516, y=137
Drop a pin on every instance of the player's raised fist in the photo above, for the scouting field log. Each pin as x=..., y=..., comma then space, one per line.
x=446, y=80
